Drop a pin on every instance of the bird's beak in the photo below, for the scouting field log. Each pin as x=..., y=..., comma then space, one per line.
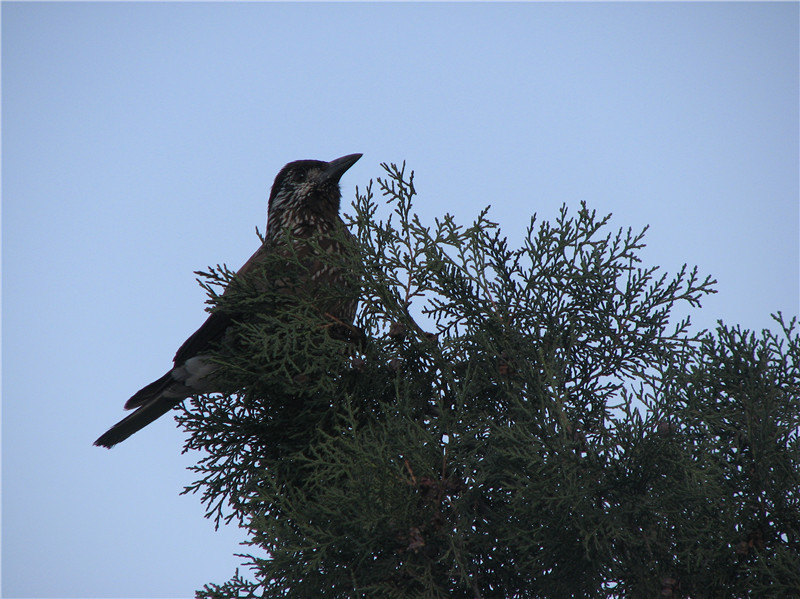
x=336, y=168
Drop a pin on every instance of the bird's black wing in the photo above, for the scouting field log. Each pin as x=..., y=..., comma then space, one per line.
x=203, y=338
x=212, y=330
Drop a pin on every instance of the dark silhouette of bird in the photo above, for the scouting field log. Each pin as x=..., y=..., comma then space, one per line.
x=303, y=204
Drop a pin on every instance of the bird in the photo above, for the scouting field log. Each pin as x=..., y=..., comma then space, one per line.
x=303, y=203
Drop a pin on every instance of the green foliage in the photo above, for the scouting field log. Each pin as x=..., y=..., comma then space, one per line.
x=521, y=423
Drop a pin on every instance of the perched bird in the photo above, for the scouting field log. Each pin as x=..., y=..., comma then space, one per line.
x=304, y=202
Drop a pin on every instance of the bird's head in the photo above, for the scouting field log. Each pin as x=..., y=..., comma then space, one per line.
x=309, y=187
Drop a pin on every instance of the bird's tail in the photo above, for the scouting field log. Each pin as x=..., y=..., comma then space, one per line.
x=151, y=403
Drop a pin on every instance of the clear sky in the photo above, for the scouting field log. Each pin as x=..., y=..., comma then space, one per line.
x=139, y=142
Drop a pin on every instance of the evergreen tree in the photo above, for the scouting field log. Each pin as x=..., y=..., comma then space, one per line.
x=523, y=422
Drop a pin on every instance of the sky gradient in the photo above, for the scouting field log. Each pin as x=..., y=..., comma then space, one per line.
x=139, y=142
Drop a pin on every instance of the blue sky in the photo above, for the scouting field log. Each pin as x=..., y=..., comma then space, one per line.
x=139, y=141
